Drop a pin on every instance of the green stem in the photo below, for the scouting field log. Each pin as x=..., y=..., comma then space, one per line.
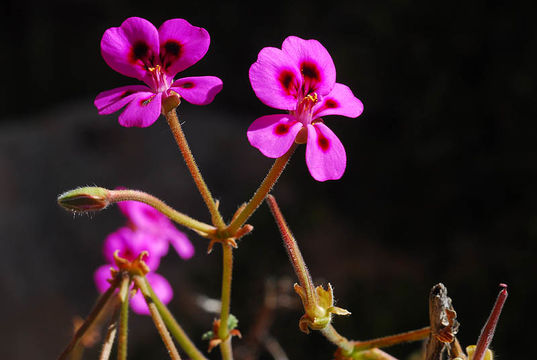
x=123, y=195
x=91, y=319
x=390, y=340
x=265, y=187
x=299, y=265
x=337, y=339
x=123, y=318
x=175, y=329
x=223, y=330
x=178, y=134
x=157, y=319
x=111, y=331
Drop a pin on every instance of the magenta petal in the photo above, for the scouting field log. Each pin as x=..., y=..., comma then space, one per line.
x=340, y=101
x=111, y=101
x=180, y=242
x=325, y=155
x=275, y=79
x=132, y=243
x=143, y=110
x=143, y=216
x=160, y=286
x=130, y=48
x=101, y=277
x=273, y=135
x=181, y=45
x=199, y=90
x=314, y=62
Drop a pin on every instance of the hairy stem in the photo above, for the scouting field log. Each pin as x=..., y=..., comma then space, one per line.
x=175, y=329
x=337, y=339
x=157, y=319
x=265, y=187
x=299, y=265
x=174, y=215
x=227, y=273
x=123, y=318
x=178, y=134
x=390, y=340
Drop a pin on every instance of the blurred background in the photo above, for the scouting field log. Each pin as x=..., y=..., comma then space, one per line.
x=439, y=186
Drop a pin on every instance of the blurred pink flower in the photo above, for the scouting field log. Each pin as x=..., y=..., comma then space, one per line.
x=137, y=49
x=301, y=78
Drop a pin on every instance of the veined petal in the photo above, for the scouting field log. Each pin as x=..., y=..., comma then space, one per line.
x=143, y=110
x=276, y=79
x=181, y=45
x=131, y=48
x=325, y=154
x=314, y=62
x=180, y=242
x=101, y=277
x=273, y=135
x=111, y=101
x=340, y=101
x=160, y=286
x=199, y=90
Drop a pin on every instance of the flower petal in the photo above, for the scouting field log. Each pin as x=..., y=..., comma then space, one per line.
x=160, y=286
x=276, y=79
x=315, y=64
x=111, y=101
x=143, y=110
x=131, y=48
x=340, y=101
x=101, y=277
x=180, y=242
x=181, y=45
x=199, y=90
x=325, y=154
x=273, y=135
x=131, y=243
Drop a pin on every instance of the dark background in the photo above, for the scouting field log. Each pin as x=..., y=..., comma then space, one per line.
x=439, y=187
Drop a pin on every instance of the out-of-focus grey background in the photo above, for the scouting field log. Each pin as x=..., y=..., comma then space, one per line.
x=440, y=184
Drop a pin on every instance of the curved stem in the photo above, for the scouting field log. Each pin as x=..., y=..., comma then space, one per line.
x=337, y=339
x=260, y=194
x=175, y=329
x=175, y=126
x=390, y=340
x=174, y=215
x=223, y=330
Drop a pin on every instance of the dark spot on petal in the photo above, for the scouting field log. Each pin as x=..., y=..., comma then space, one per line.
x=331, y=103
x=286, y=78
x=310, y=71
x=281, y=129
x=170, y=51
x=126, y=93
x=323, y=142
x=187, y=85
x=145, y=102
x=140, y=51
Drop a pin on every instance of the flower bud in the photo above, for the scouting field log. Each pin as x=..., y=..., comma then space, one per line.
x=84, y=199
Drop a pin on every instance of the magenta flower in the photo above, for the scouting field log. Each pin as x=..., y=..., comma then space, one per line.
x=301, y=78
x=160, y=285
x=137, y=49
x=148, y=221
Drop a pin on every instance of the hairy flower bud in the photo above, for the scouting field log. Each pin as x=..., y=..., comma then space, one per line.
x=84, y=199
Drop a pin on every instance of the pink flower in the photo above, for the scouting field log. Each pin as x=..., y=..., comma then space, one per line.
x=137, y=49
x=160, y=285
x=145, y=219
x=301, y=78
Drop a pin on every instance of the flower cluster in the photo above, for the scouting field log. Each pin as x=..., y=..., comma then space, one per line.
x=146, y=230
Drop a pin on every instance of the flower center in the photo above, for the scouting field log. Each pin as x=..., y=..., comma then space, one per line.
x=304, y=108
x=160, y=83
